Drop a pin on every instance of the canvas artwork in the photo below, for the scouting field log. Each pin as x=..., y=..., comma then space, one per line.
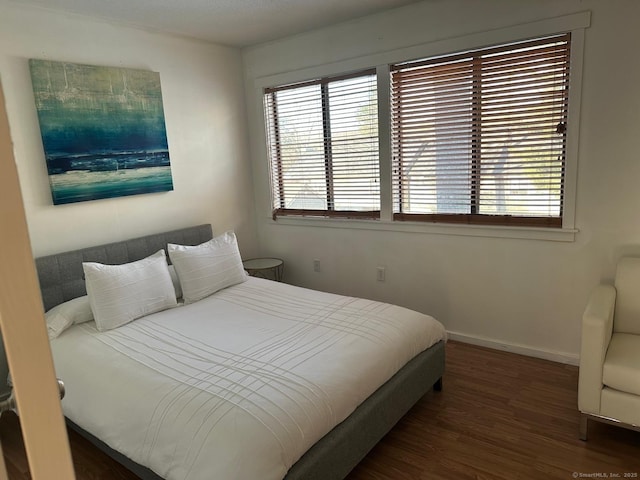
x=103, y=130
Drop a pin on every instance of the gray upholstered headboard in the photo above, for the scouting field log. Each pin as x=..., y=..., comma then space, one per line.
x=61, y=275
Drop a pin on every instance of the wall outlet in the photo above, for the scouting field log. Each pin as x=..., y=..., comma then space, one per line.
x=380, y=274
x=316, y=264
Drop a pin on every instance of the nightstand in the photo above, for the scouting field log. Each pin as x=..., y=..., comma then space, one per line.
x=269, y=268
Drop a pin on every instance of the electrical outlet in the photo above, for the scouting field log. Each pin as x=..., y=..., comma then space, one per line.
x=316, y=264
x=380, y=274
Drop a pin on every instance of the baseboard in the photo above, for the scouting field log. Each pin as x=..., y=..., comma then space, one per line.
x=560, y=357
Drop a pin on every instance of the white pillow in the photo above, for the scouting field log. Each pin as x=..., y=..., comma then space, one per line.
x=61, y=317
x=121, y=293
x=206, y=268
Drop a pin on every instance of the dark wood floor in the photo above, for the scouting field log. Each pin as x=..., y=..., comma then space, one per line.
x=500, y=415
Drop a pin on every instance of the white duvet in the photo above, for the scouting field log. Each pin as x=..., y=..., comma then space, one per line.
x=238, y=385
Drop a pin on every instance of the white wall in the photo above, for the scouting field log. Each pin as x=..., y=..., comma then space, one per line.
x=525, y=295
x=206, y=129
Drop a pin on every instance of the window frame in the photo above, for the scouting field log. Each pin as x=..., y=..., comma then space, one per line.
x=474, y=59
x=330, y=212
x=576, y=23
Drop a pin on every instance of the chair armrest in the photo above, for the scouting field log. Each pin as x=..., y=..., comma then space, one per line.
x=597, y=328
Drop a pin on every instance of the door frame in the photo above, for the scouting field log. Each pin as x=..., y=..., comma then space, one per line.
x=24, y=331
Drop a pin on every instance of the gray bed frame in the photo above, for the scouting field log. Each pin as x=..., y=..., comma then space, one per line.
x=332, y=457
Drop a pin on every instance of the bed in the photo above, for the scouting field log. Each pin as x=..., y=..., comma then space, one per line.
x=260, y=354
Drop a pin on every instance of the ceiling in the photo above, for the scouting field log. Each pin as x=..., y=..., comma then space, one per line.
x=237, y=23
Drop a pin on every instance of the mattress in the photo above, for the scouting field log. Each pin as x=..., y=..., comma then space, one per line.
x=238, y=385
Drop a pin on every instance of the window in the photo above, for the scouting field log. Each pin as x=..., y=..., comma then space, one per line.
x=322, y=140
x=480, y=136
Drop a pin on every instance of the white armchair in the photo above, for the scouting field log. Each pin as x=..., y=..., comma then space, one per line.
x=609, y=378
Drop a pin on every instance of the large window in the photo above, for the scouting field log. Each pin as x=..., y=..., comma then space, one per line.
x=479, y=137
x=323, y=146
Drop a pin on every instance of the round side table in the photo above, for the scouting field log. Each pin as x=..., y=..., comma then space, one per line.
x=269, y=268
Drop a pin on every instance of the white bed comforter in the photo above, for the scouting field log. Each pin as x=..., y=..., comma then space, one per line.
x=238, y=385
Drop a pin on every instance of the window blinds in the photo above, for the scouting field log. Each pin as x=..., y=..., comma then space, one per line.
x=322, y=138
x=479, y=137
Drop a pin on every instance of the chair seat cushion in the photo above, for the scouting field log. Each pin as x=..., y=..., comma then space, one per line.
x=622, y=363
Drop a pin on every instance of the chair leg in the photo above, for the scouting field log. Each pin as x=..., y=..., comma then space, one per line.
x=437, y=387
x=583, y=427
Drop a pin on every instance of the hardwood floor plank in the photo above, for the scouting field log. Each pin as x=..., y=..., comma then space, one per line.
x=499, y=416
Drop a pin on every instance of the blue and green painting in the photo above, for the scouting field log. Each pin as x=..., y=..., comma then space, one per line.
x=102, y=129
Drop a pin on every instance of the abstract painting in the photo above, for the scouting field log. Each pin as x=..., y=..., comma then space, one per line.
x=103, y=130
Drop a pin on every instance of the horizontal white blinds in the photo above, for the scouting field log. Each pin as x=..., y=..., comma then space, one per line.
x=323, y=147
x=479, y=137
